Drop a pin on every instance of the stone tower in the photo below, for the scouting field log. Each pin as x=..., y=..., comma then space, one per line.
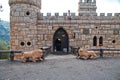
x=87, y=6
x=23, y=20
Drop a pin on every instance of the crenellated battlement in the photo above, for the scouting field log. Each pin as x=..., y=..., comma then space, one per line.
x=74, y=16
x=31, y=2
x=87, y=1
x=79, y=14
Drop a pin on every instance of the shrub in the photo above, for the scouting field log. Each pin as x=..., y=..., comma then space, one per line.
x=4, y=46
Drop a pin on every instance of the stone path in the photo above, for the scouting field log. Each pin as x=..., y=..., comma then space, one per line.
x=60, y=57
x=65, y=67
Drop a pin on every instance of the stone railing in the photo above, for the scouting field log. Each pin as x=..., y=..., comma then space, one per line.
x=106, y=52
x=46, y=51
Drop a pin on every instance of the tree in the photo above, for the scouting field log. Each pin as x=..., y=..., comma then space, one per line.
x=3, y=44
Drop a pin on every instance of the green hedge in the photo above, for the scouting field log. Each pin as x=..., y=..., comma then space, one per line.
x=4, y=46
x=4, y=55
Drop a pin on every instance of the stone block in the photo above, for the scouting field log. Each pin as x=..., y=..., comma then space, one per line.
x=16, y=14
x=64, y=14
x=102, y=14
x=48, y=43
x=117, y=14
x=48, y=14
x=72, y=14
x=109, y=14
x=56, y=14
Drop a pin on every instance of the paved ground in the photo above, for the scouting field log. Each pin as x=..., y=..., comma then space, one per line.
x=62, y=68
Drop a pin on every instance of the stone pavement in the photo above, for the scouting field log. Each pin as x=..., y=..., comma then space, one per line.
x=60, y=57
x=65, y=67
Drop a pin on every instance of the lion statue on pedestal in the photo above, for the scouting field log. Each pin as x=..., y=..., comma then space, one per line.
x=85, y=54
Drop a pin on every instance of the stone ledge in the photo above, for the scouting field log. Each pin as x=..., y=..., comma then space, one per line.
x=109, y=54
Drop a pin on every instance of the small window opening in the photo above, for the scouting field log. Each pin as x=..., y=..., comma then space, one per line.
x=28, y=43
x=113, y=41
x=22, y=43
x=101, y=41
x=28, y=13
x=95, y=41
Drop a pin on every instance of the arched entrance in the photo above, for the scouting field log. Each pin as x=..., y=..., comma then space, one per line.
x=61, y=41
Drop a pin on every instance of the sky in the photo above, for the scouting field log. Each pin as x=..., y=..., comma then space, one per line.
x=61, y=6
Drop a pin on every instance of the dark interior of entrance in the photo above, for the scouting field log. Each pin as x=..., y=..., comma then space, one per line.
x=58, y=44
x=61, y=41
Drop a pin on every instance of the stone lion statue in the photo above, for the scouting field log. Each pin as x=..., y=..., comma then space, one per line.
x=35, y=55
x=83, y=53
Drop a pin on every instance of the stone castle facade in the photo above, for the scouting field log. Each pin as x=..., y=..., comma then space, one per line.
x=31, y=30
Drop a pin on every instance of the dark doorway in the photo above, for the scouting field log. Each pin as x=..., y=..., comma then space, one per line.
x=61, y=41
x=58, y=44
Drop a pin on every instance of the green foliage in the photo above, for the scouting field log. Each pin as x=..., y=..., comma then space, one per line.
x=4, y=45
x=4, y=38
x=5, y=56
x=5, y=31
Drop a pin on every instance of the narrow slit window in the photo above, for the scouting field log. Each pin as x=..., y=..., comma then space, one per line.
x=95, y=41
x=101, y=41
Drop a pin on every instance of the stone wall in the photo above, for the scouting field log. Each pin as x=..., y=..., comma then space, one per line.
x=82, y=29
x=30, y=29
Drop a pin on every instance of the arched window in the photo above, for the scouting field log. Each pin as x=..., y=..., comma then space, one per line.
x=101, y=41
x=95, y=41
